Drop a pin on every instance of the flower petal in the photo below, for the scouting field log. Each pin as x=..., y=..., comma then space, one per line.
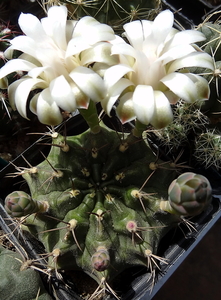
x=35, y=31
x=34, y=73
x=24, y=44
x=93, y=31
x=114, y=93
x=89, y=82
x=16, y=65
x=134, y=33
x=143, y=99
x=19, y=92
x=56, y=22
x=124, y=49
x=3, y=83
x=183, y=86
x=76, y=45
x=201, y=85
x=125, y=109
x=81, y=99
x=195, y=59
x=115, y=73
x=62, y=94
x=176, y=52
x=163, y=114
x=185, y=37
x=33, y=103
x=101, y=52
x=162, y=25
x=47, y=110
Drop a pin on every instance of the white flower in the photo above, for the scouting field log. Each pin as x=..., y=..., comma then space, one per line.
x=56, y=57
x=150, y=75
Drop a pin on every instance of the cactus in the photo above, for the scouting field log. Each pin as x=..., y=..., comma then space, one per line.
x=98, y=219
x=188, y=120
x=114, y=13
x=100, y=201
x=16, y=276
x=208, y=149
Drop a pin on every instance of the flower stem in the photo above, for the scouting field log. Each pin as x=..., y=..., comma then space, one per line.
x=138, y=129
x=91, y=117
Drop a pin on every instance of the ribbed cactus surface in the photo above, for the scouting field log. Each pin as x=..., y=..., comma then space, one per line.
x=104, y=195
x=112, y=12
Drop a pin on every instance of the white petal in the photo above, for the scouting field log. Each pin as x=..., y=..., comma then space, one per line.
x=21, y=92
x=162, y=115
x=56, y=22
x=76, y=45
x=134, y=33
x=11, y=91
x=143, y=99
x=113, y=94
x=24, y=44
x=176, y=52
x=15, y=65
x=8, y=53
x=33, y=103
x=89, y=82
x=114, y=73
x=125, y=109
x=70, y=24
x=3, y=83
x=81, y=99
x=201, y=86
x=32, y=27
x=34, y=73
x=186, y=37
x=47, y=110
x=162, y=25
x=182, y=85
x=93, y=31
x=100, y=68
x=18, y=94
x=101, y=52
x=124, y=49
x=62, y=94
x=31, y=59
x=195, y=59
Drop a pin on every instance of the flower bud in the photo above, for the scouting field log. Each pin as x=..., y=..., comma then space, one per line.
x=100, y=259
x=19, y=204
x=189, y=194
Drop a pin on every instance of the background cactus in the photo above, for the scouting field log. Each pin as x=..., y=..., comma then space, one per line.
x=17, y=278
x=114, y=13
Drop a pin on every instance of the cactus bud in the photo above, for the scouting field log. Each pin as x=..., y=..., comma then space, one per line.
x=19, y=204
x=189, y=194
x=100, y=259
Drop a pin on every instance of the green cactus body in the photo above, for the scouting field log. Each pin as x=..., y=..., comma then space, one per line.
x=114, y=13
x=208, y=149
x=15, y=277
x=102, y=215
